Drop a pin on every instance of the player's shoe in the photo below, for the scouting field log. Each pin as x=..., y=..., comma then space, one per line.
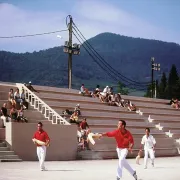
x=118, y=178
x=152, y=164
x=135, y=175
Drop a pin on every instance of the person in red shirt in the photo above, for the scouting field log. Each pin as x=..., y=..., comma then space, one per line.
x=41, y=135
x=125, y=142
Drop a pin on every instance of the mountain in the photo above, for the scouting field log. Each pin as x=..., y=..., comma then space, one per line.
x=129, y=56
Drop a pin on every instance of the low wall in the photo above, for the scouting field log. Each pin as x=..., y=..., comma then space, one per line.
x=63, y=141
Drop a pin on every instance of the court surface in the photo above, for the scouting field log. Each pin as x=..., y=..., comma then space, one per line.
x=165, y=169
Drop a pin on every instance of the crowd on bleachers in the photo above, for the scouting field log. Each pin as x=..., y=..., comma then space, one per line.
x=109, y=97
x=17, y=104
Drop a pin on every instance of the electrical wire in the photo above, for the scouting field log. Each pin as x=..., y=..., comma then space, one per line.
x=133, y=84
x=86, y=41
x=31, y=35
x=113, y=77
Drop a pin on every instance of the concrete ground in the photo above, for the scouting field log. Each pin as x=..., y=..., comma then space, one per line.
x=165, y=169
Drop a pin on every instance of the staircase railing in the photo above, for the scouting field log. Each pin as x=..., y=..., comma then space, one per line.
x=41, y=106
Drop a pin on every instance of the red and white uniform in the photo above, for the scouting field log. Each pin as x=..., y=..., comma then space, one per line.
x=123, y=141
x=41, y=150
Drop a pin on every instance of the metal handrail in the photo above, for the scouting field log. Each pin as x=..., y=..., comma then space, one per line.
x=42, y=107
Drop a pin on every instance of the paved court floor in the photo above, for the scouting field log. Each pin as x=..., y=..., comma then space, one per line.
x=165, y=169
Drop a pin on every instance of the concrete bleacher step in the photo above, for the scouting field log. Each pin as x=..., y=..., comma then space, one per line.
x=6, y=155
x=74, y=92
x=2, y=134
x=10, y=160
x=112, y=154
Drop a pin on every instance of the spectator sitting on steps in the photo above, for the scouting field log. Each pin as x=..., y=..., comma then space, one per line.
x=74, y=118
x=21, y=117
x=77, y=108
x=31, y=88
x=130, y=106
x=13, y=114
x=4, y=116
x=84, y=90
x=11, y=97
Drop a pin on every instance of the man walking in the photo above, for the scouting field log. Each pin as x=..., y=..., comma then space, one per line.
x=125, y=142
x=149, y=147
x=41, y=135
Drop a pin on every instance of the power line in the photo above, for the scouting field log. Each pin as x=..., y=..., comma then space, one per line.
x=114, y=77
x=31, y=35
x=104, y=62
x=112, y=71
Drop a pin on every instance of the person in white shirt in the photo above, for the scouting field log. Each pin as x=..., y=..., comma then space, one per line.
x=149, y=143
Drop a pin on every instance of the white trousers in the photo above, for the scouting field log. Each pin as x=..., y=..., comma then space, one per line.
x=41, y=153
x=151, y=154
x=122, y=153
x=4, y=119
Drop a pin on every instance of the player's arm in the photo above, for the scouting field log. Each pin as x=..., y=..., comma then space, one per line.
x=109, y=134
x=47, y=138
x=142, y=143
x=131, y=141
x=154, y=142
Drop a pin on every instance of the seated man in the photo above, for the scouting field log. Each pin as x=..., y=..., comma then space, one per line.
x=84, y=90
x=13, y=114
x=31, y=88
x=4, y=115
x=20, y=117
x=74, y=118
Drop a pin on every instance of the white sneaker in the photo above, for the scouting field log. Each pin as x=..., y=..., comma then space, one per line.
x=43, y=169
x=145, y=167
x=152, y=164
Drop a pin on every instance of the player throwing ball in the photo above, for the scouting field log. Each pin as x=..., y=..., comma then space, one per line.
x=41, y=139
x=149, y=147
x=125, y=142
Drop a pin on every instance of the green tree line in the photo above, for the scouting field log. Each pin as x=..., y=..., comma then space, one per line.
x=168, y=87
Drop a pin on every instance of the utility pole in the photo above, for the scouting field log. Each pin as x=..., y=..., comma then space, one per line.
x=154, y=67
x=70, y=54
x=152, y=76
x=71, y=49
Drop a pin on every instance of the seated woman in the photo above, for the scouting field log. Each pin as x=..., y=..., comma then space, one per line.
x=13, y=113
x=175, y=103
x=20, y=117
x=119, y=101
x=96, y=91
x=130, y=106
x=111, y=99
x=11, y=97
x=17, y=97
x=74, y=118
x=77, y=108
x=24, y=103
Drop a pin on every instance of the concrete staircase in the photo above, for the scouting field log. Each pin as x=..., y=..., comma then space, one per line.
x=6, y=155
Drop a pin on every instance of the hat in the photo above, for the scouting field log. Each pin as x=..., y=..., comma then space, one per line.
x=77, y=105
x=29, y=82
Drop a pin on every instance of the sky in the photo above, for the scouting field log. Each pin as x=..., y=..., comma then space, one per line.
x=150, y=19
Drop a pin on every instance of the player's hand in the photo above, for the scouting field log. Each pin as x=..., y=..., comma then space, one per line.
x=130, y=150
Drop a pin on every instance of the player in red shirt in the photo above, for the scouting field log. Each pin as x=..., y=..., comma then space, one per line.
x=41, y=135
x=125, y=142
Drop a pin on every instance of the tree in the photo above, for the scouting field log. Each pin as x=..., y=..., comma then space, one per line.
x=172, y=82
x=121, y=89
x=162, y=87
